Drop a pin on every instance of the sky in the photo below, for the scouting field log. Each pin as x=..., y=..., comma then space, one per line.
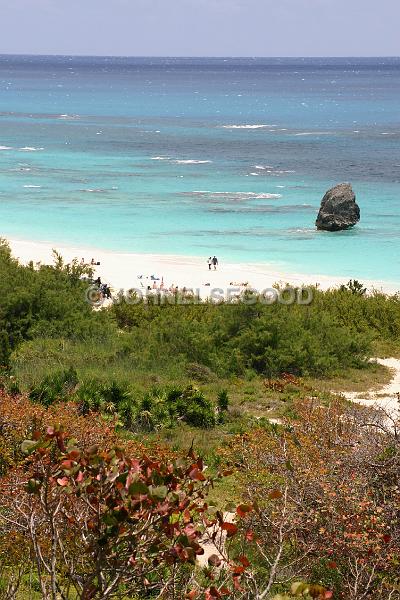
x=201, y=27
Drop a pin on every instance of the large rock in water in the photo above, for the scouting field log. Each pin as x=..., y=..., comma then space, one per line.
x=339, y=209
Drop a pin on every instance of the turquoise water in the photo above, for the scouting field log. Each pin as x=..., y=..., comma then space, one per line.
x=203, y=156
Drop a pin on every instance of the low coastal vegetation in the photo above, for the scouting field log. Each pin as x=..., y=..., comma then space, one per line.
x=135, y=438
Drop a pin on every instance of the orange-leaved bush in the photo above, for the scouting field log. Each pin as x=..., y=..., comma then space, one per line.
x=103, y=522
x=326, y=495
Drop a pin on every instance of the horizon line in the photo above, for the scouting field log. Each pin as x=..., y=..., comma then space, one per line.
x=183, y=56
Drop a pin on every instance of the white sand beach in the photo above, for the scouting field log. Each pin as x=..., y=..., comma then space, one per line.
x=122, y=270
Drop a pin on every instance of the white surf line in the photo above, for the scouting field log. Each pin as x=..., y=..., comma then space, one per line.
x=386, y=397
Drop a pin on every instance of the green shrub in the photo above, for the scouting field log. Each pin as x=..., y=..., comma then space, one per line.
x=95, y=395
x=199, y=372
x=191, y=406
x=354, y=287
x=5, y=351
x=235, y=339
x=165, y=408
x=55, y=387
x=223, y=400
x=153, y=412
x=90, y=395
x=45, y=322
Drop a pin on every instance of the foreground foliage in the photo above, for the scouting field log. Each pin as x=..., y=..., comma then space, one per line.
x=95, y=516
x=88, y=513
x=100, y=522
x=326, y=492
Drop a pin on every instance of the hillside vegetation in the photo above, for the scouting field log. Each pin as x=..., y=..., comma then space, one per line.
x=126, y=433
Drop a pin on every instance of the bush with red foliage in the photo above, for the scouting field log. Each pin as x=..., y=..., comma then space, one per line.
x=102, y=521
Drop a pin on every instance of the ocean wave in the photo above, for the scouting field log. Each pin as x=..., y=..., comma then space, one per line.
x=305, y=233
x=315, y=133
x=5, y=148
x=191, y=162
x=262, y=126
x=268, y=170
x=98, y=190
x=32, y=186
x=182, y=161
x=68, y=117
x=239, y=195
x=30, y=149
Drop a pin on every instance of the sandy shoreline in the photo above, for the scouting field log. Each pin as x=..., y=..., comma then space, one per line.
x=121, y=270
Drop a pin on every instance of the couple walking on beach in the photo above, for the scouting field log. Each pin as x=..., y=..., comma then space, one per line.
x=212, y=262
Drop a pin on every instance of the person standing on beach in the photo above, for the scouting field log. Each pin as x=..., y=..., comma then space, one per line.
x=209, y=262
x=215, y=262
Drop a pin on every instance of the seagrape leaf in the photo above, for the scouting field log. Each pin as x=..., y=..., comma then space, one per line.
x=159, y=492
x=138, y=488
x=298, y=587
x=33, y=486
x=28, y=446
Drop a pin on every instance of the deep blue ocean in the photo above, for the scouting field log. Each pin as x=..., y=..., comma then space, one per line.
x=203, y=156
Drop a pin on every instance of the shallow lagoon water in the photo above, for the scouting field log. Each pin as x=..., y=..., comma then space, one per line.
x=203, y=156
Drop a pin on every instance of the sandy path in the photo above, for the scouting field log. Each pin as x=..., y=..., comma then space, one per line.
x=386, y=397
x=209, y=547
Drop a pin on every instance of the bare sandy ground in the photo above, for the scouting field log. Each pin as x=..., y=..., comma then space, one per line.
x=386, y=397
x=211, y=548
x=122, y=270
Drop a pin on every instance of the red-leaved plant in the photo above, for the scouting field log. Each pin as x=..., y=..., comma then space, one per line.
x=106, y=525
